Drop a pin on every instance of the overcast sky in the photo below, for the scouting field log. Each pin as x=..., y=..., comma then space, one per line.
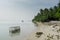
x=13, y=11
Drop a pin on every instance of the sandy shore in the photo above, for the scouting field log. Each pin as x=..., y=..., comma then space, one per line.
x=50, y=32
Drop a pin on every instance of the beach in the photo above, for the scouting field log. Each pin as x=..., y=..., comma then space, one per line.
x=49, y=31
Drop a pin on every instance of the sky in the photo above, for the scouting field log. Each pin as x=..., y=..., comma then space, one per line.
x=13, y=11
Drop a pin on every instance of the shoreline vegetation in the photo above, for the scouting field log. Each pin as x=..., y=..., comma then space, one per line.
x=46, y=15
x=48, y=22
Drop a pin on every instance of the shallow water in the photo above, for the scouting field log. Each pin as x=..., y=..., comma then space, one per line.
x=26, y=29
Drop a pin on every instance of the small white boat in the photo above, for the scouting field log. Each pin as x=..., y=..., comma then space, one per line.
x=14, y=29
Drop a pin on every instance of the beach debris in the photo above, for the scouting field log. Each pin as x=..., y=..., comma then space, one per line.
x=50, y=36
x=58, y=37
x=38, y=34
x=58, y=30
x=48, y=39
x=55, y=25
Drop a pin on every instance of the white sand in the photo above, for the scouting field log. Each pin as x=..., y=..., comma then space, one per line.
x=47, y=30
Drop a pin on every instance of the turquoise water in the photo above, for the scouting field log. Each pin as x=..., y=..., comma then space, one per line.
x=26, y=29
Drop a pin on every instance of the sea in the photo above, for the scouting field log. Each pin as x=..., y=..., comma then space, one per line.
x=25, y=30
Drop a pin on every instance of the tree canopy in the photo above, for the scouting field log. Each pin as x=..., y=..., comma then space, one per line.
x=46, y=15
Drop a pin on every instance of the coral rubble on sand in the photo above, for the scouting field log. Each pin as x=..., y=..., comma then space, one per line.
x=46, y=32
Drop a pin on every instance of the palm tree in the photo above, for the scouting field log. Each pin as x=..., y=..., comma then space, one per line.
x=41, y=11
x=50, y=13
x=59, y=4
x=51, y=9
x=46, y=11
x=55, y=9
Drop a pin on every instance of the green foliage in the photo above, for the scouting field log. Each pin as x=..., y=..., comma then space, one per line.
x=47, y=15
x=57, y=15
